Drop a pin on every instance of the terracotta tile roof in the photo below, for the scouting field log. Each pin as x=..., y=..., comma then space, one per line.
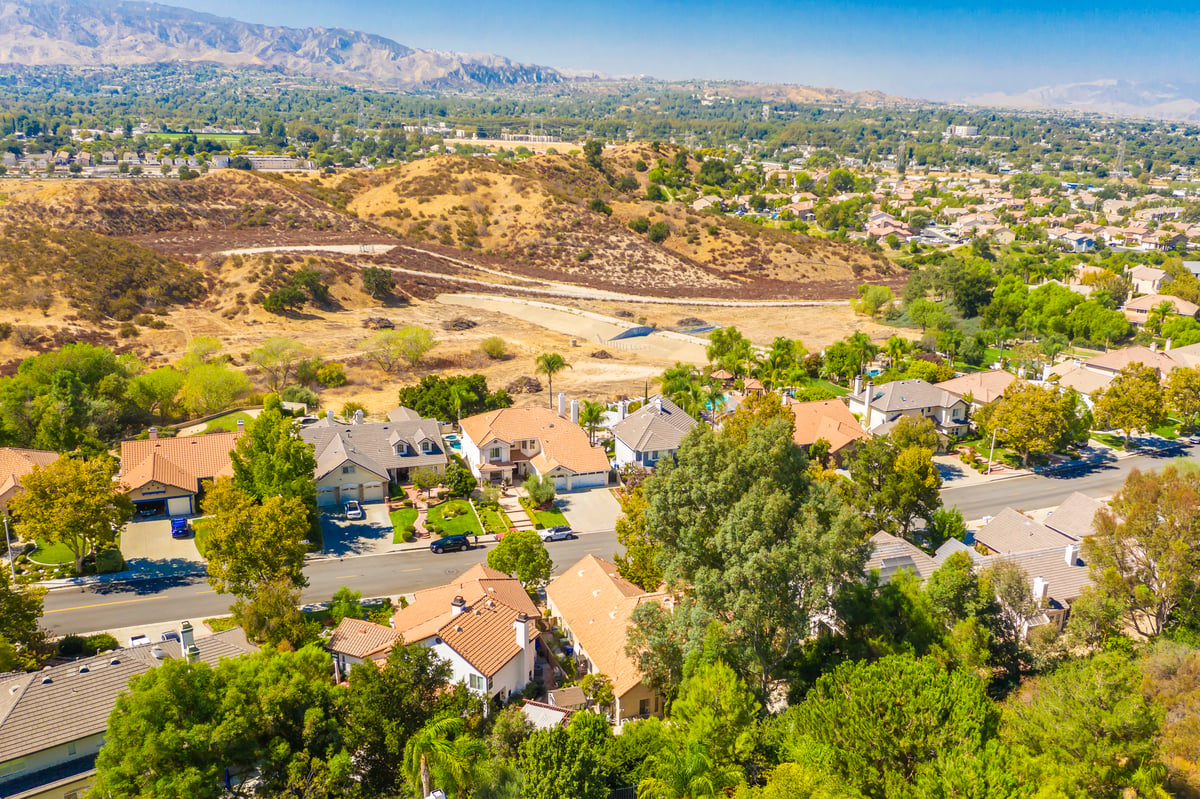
x=562, y=443
x=1010, y=531
x=181, y=462
x=658, y=425
x=430, y=609
x=16, y=463
x=65, y=703
x=830, y=420
x=362, y=639
x=484, y=635
x=984, y=387
x=595, y=604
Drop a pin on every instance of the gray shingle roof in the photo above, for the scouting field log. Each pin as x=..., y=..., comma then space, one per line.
x=1010, y=531
x=65, y=703
x=1065, y=580
x=903, y=395
x=658, y=425
x=1075, y=516
x=371, y=444
x=892, y=554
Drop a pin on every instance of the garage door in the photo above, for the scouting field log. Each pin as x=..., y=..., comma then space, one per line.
x=327, y=497
x=560, y=482
x=373, y=492
x=590, y=480
x=179, y=506
x=351, y=492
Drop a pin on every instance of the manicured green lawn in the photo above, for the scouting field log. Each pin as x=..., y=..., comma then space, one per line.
x=1169, y=430
x=222, y=623
x=549, y=518
x=400, y=519
x=220, y=138
x=49, y=554
x=464, y=523
x=1117, y=442
x=228, y=422
x=495, y=519
x=201, y=528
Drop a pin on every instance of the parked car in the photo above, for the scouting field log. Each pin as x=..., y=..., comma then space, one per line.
x=450, y=543
x=1194, y=440
x=354, y=510
x=180, y=528
x=146, y=511
x=171, y=635
x=559, y=532
x=138, y=640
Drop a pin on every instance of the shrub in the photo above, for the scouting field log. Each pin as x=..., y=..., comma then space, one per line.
x=128, y=330
x=102, y=642
x=639, y=225
x=300, y=394
x=109, y=561
x=72, y=646
x=332, y=375
x=599, y=206
x=658, y=232
x=494, y=347
x=540, y=489
x=583, y=255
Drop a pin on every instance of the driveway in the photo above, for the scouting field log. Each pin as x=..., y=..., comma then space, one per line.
x=148, y=548
x=591, y=511
x=365, y=536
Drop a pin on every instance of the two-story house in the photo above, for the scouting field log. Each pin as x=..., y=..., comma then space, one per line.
x=880, y=406
x=651, y=433
x=512, y=443
x=356, y=460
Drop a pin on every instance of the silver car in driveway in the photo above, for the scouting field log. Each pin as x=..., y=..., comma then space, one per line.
x=354, y=511
x=559, y=532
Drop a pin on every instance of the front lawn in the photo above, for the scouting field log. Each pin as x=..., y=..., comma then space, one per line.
x=401, y=519
x=1169, y=430
x=55, y=554
x=228, y=422
x=453, y=518
x=1108, y=439
x=201, y=528
x=495, y=521
x=544, y=518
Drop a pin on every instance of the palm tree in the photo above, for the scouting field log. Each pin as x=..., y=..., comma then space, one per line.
x=1158, y=315
x=861, y=344
x=550, y=364
x=432, y=748
x=896, y=348
x=686, y=773
x=459, y=394
x=590, y=416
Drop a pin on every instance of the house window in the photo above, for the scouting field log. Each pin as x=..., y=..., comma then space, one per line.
x=71, y=750
x=427, y=446
x=644, y=707
x=494, y=454
x=347, y=470
x=402, y=449
x=477, y=682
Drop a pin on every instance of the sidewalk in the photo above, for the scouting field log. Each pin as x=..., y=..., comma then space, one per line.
x=517, y=515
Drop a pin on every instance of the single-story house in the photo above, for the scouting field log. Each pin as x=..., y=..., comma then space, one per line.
x=53, y=722
x=15, y=464
x=165, y=475
x=512, y=443
x=651, y=433
x=1138, y=309
x=1010, y=531
x=983, y=388
x=880, y=406
x=829, y=421
x=593, y=605
x=356, y=460
x=483, y=623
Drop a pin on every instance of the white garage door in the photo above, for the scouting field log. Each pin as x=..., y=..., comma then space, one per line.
x=351, y=492
x=179, y=506
x=590, y=480
x=372, y=492
x=327, y=497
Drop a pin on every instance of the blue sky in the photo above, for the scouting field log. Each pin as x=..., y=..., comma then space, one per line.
x=937, y=49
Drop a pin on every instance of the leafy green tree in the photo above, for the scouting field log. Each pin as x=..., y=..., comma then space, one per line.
x=716, y=710
x=598, y=689
x=873, y=299
x=270, y=615
x=888, y=728
x=156, y=390
x=659, y=232
x=509, y=729
x=639, y=562
x=540, y=489
x=521, y=554
x=73, y=502
x=332, y=375
x=284, y=299
x=450, y=398
x=389, y=349
x=1086, y=729
x=378, y=282
x=182, y=727
x=1132, y=402
x=1145, y=552
x=742, y=522
x=659, y=641
x=437, y=751
x=550, y=364
x=567, y=761
x=277, y=358
x=639, y=224
x=591, y=415
x=687, y=772
x=253, y=541
x=271, y=460
x=459, y=480
x=385, y=707
x=730, y=350
x=21, y=639
x=211, y=387
x=1183, y=394
x=1030, y=418
x=345, y=605
x=894, y=486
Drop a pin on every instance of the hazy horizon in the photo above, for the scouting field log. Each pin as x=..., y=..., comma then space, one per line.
x=939, y=51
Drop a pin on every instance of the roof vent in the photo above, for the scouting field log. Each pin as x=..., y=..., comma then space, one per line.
x=84, y=670
x=158, y=653
x=115, y=662
x=457, y=629
x=14, y=689
x=46, y=681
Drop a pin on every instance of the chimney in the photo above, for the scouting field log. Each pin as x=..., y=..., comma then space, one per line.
x=574, y=411
x=1072, y=554
x=658, y=403
x=186, y=637
x=857, y=385
x=329, y=415
x=521, y=628
x=457, y=605
x=1170, y=343
x=153, y=433
x=1041, y=591
x=562, y=404
x=623, y=407
x=358, y=417
x=241, y=426
x=870, y=392
x=1154, y=346
x=193, y=654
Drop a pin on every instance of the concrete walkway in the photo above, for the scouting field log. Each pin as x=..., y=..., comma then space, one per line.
x=518, y=517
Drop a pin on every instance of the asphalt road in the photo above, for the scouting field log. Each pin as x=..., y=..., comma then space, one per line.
x=114, y=605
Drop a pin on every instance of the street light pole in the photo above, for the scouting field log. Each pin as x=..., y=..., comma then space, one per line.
x=992, y=451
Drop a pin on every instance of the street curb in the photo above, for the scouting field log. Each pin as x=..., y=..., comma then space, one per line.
x=118, y=577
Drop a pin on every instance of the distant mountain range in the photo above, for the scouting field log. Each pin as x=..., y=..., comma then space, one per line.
x=84, y=33
x=1126, y=98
